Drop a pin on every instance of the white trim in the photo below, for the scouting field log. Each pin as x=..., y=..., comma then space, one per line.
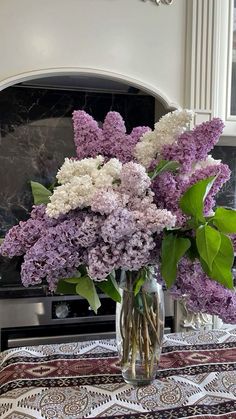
x=48, y=72
x=229, y=60
x=222, y=60
x=199, y=62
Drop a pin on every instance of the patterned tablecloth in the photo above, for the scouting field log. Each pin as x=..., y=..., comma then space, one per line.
x=197, y=379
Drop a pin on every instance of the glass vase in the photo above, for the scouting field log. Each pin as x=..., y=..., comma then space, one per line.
x=139, y=327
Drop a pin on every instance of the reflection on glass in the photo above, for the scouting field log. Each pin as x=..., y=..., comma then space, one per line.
x=233, y=82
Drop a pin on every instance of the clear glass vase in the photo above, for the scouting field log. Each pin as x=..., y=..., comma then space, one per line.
x=139, y=327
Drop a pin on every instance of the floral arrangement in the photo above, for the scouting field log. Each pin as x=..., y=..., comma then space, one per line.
x=128, y=202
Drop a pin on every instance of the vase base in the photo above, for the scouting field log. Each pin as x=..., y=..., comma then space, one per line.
x=138, y=381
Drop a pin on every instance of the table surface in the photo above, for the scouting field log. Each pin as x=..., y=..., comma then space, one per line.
x=196, y=379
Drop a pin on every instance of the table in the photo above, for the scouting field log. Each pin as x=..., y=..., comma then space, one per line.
x=196, y=379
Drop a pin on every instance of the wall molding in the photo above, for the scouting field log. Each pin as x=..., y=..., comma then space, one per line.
x=209, y=61
x=199, y=58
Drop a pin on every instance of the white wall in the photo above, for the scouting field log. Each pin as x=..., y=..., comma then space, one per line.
x=129, y=39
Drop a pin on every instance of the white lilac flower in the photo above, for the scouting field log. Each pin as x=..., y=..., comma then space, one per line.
x=72, y=168
x=166, y=131
x=103, y=180
x=112, y=168
x=74, y=194
x=79, y=181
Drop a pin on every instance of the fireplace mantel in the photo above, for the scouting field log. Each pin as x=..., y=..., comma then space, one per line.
x=132, y=41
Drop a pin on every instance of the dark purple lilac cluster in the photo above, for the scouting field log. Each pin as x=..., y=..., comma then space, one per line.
x=110, y=141
x=194, y=146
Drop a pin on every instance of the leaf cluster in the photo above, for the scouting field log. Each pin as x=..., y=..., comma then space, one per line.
x=204, y=238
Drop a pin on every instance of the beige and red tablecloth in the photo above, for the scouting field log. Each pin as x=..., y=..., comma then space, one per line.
x=196, y=379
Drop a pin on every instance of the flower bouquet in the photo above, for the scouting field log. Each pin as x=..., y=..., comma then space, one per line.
x=134, y=211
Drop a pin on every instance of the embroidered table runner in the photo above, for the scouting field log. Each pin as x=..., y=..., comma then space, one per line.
x=196, y=379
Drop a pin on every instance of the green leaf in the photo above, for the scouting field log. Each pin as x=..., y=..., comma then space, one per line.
x=142, y=277
x=110, y=288
x=65, y=288
x=192, y=201
x=222, y=265
x=40, y=193
x=173, y=249
x=208, y=243
x=164, y=166
x=225, y=220
x=72, y=280
x=1, y=240
x=86, y=289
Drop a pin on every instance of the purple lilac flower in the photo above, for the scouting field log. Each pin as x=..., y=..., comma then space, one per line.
x=116, y=142
x=206, y=135
x=105, y=201
x=137, y=252
x=154, y=220
x=87, y=135
x=131, y=254
x=183, y=151
x=203, y=294
x=111, y=141
x=21, y=237
x=113, y=126
x=138, y=132
x=89, y=231
x=134, y=179
x=193, y=146
x=55, y=255
x=102, y=260
x=119, y=225
x=168, y=188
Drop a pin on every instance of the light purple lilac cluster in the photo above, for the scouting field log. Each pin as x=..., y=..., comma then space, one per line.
x=115, y=233
x=201, y=294
x=110, y=141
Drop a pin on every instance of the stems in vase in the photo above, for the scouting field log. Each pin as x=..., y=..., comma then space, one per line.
x=140, y=326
